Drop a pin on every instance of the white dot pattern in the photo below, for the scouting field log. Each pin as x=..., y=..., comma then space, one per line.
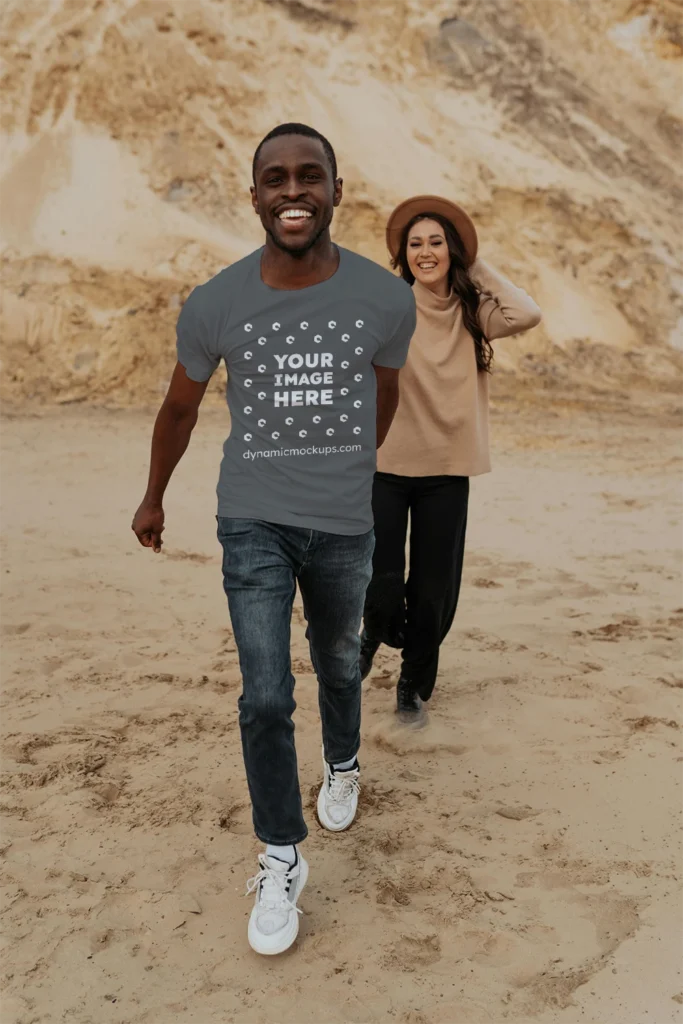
x=307, y=371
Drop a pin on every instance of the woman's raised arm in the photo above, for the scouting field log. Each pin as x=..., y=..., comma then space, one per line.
x=504, y=308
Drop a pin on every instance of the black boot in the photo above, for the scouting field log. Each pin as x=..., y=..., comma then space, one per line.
x=368, y=650
x=408, y=705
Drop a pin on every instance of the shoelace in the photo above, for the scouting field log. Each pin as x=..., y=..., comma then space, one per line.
x=344, y=785
x=273, y=891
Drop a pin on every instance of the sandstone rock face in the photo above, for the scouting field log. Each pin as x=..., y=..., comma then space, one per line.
x=129, y=128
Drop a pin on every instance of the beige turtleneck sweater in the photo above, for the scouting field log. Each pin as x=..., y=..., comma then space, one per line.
x=441, y=426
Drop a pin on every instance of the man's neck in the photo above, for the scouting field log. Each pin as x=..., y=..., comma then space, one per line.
x=291, y=271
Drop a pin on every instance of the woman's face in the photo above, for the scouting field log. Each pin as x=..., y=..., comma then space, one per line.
x=428, y=256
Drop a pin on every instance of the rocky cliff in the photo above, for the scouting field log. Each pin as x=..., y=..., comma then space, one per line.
x=128, y=131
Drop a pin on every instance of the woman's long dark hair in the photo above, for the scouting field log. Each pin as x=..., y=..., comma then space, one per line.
x=459, y=279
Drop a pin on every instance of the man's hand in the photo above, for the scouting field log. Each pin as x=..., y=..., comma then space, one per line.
x=148, y=525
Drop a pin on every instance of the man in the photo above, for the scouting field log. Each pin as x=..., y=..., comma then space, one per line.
x=313, y=337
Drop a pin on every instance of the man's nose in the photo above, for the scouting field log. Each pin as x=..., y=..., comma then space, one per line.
x=293, y=188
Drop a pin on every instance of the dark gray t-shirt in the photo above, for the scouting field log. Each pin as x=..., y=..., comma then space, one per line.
x=301, y=387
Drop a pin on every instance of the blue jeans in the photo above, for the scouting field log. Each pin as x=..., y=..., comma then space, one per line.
x=262, y=563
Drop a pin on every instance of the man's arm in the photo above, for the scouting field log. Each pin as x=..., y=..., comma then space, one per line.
x=387, y=400
x=174, y=425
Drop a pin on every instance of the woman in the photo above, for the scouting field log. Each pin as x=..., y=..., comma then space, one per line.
x=439, y=438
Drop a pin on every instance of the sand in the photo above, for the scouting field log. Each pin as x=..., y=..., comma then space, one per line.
x=516, y=860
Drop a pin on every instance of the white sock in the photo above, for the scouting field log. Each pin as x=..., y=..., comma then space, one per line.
x=285, y=853
x=345, y=766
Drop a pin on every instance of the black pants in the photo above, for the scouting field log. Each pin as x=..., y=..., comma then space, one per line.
x=416, y=615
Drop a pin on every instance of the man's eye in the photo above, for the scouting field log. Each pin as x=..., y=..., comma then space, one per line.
x=273, y=181
x=312, y=177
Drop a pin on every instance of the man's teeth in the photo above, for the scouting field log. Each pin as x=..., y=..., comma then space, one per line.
x=294, y=214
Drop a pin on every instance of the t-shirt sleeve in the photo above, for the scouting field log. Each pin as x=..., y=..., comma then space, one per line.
x=196, y=341
x=394, y=352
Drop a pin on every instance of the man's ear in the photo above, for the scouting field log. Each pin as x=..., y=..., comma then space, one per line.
x=338, y=191
x=254, y=200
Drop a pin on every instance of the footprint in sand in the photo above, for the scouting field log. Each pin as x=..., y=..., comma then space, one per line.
x=414, y=952
x=234, y=818
x=390, y=893
x=383, y=681
x=18, y=630
x=188, y=556
x=301, y=666
x=671, y=680
x=517, y=813
x=650, y=721
x=375, y=798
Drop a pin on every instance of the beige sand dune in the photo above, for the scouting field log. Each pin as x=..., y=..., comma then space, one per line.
x=516, y=860
x=128, y=130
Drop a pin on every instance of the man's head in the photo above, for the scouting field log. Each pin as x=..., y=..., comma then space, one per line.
x=295, y=186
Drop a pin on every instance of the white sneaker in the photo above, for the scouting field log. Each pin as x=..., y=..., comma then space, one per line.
x=274, y=921
x=338, y=798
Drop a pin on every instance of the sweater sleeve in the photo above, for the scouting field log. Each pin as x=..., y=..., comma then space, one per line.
x=504, y=309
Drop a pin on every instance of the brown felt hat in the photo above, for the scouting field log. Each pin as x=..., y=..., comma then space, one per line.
x=405, y=211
